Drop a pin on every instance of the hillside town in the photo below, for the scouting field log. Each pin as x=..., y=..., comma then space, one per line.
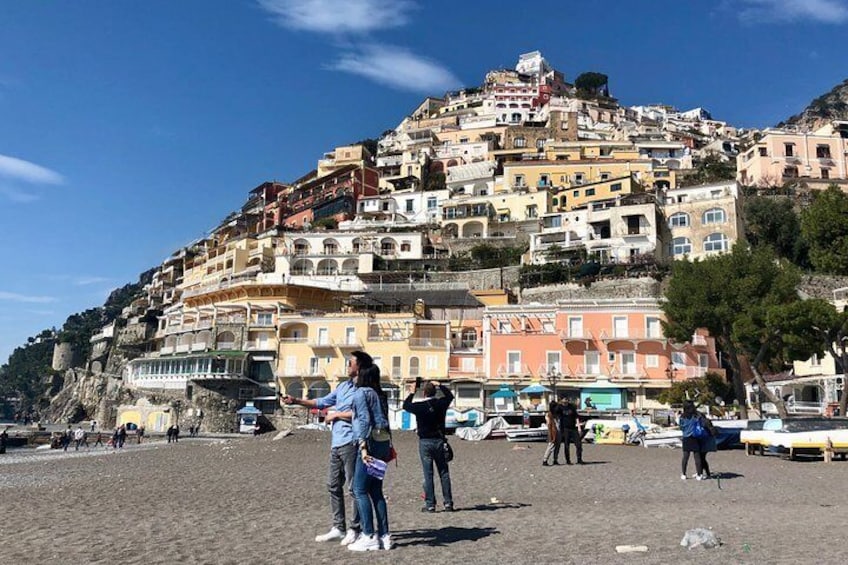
x=374, y=249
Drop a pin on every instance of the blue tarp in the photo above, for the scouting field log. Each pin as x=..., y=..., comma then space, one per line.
x=249, y=410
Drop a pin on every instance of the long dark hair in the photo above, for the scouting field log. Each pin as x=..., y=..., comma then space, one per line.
x=370, y=377
x=689, y=409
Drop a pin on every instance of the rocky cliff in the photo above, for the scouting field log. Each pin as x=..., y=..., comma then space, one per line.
x=822, y=110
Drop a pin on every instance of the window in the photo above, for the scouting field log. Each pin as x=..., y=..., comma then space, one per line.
x=540, y=144
x=678, y=359
x=789, y=149
x=592, y=360
x=532, y=211
x=652, y=361
x=469, y=338
x=513, y=362
x=519, y=142
x=605, y=176
x=653, y=328
x=578, y=178
x=385, y=206
x=681, y=246
x=791, y=172
x=350, y=336
x=504, y=327
x=823, y=152
x=432, y=203
x=590, y=192
x=553, y=360
x=815, y=361
x=615, y=187
x=628, y=362
x=619, y=326
x=406, y=246
x=414, y=367
x=548, y=327
x=323, y=336
x=575, y=327
x=410, y=205
x=396, y=366
x=715, y=242
x=576, y=194
x=264, y=319
x=679, y=220
x=519, y=180
x=763, y=152
x=714, y=216
x=825, y=173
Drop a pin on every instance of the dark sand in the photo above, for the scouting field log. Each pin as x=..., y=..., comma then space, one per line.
x=254, y=500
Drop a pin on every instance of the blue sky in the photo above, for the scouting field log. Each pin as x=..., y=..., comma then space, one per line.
x=127, y=129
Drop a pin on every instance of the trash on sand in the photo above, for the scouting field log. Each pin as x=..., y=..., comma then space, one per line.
x=282, y=434
x=631, y=548
x=700, y=537
x=494, y=500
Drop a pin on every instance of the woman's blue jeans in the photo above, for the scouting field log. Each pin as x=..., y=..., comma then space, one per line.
x=368, y=492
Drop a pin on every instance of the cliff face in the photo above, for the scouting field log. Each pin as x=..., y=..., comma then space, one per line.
x=822, y=110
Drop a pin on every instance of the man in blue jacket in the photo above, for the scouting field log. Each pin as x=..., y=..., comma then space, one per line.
x=343, y=450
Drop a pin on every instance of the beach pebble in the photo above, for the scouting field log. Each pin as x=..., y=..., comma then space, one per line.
x=631, y=548
x=700, y=537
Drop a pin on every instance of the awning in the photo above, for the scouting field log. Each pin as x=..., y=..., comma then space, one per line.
x=503, y=392
x=535, y=389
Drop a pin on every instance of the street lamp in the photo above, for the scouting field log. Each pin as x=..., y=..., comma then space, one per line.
x=671, y=372
x=553, y=376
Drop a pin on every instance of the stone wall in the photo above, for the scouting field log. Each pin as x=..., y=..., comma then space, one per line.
x=646, y=287
x=821, y=286
x=63, y=357
x=505, y=277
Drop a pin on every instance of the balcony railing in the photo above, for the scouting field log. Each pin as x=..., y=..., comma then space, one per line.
x=198, y=346
x=225, y=345
x=321, y=344
x=585, y=372
x=514, y=370
x=166, y=350
x=427, y=343
x=631, y=334
x=303, y=372
x=292, y=340
x=633, y=372
x=350, y=342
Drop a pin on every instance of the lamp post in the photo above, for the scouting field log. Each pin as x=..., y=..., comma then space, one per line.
x=553, y=376
x=671, y=372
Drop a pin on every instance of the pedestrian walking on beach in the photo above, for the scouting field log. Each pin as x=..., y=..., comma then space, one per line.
x=79, y=435
x=98, y=439
x=343, y=449
x=554, y=434
x=170, y=433
x=698, y=438
x=93, y=425
x=67, y=438
x=569, y=426
x=139, y=433
x=430, y=415
x=4, y=440
x=122, y=436
x=372, y=436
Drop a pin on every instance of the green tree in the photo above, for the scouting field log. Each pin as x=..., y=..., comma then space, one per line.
x=773, y=222
x=702, y=390
x=712, y=169
x=591, y=84
x=740, y=297
x=824, y=226
x=435, y=181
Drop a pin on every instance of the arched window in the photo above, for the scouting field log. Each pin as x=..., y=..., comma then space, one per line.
x=681, y=246
x=414, y=367
x=679, y=220
x=295, y=389
x=225, y=340
x=519, y=142
x=318, y=389
x=715, y=242
x=469, y=338
x=714, y=216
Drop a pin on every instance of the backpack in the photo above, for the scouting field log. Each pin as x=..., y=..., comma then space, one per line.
x=698, y=430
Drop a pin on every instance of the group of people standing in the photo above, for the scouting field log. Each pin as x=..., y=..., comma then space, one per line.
x=361, y=445
x=698, y=439
x=564, y=428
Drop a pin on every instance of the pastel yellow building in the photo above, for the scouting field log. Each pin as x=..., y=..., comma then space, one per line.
x=313, y=350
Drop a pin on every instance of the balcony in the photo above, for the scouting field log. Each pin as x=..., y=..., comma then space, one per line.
x=183, y=348
x=514, y=370
x=198, y=346
x=166, y=350
x=582, y=372
x=633, y=336
x=350, y=343
x=303, y=372
x=268, y=345
x=292, y=340
x=582, y=336
x=322, y=344
x=225, y=345
x=427, y=343
x=631, y=373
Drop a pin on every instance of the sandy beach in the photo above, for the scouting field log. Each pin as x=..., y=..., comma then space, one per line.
x=261, y=501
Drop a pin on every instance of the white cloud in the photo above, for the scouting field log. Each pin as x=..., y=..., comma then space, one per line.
x=340, y=16
x=24, y=171
x=397, y=67
x=15, y=297
x=770, y=11
x=85, y=281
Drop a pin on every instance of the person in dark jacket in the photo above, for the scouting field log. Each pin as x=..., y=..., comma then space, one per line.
x=554, y=435
x=569, y=427
x=430, y=414
x=698, y=438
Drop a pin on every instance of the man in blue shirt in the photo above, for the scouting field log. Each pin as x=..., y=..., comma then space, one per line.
x=343, y=450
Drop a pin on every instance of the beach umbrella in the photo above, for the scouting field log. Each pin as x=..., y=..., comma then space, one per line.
x=535, y=389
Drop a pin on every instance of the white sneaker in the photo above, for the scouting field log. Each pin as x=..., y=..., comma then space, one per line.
x=683, y=477
x=699, y=477
x=350, y=537
x=365, y=543
x=332, y=535
x=386, y=541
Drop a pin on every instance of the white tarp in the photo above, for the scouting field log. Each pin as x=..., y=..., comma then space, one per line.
x=482, y=432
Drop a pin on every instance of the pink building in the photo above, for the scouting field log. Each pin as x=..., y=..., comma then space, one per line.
x=612, y=350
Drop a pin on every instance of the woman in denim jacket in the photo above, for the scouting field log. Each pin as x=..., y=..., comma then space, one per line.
x=371, y=432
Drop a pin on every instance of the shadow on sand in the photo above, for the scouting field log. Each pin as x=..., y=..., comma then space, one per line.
x=725, y=476
x=493, y=506
x=441, y=536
